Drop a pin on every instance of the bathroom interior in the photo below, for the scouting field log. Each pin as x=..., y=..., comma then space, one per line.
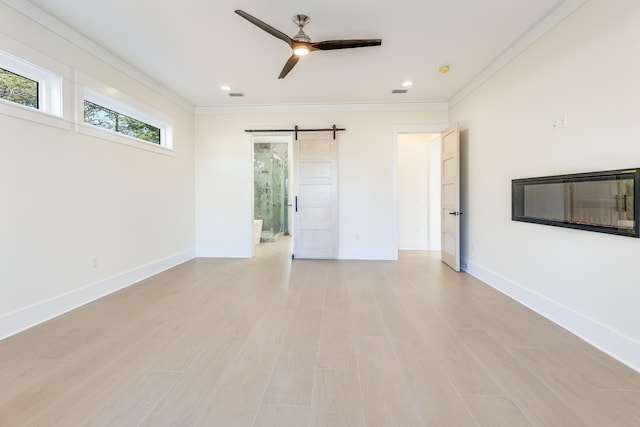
x=271, y=191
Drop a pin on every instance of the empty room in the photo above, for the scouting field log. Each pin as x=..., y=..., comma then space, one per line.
x=418, y=213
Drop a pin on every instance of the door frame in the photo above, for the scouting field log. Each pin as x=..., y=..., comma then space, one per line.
x=396, y=131
x=270, y=137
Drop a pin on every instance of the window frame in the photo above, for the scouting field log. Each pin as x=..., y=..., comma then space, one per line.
x=108, y=97
x=52, y=78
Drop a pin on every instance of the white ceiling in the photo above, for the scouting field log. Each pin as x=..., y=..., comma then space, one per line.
x=195, y=46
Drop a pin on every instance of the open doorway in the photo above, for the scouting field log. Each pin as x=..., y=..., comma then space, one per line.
x=418, y=191
x=272, y=216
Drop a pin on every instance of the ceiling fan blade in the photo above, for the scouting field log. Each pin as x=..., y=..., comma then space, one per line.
x=288, y=66
x=266, y=27
x=345, y=44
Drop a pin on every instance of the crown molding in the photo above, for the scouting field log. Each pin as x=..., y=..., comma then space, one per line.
x=43, y=18
x=421, y=128
x=322, y=108
x=545, y=24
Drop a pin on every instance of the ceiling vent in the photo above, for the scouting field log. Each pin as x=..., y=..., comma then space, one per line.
x=236, y=94
x=399, y=91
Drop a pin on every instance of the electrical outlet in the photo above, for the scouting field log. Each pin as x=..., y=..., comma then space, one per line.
x=560, y=122
x=94, y=262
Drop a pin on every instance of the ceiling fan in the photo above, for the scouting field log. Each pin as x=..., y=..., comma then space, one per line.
x=301, y=44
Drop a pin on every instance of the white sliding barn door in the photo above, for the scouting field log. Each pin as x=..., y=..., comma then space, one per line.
x=451, y=198
x=316, y=196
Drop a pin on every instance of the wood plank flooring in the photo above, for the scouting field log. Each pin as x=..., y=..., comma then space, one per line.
x=273, y=342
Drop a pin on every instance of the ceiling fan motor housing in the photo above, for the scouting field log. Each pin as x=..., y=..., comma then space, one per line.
x=301, y=21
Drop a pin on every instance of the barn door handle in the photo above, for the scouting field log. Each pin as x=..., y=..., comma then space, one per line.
x=296, y=203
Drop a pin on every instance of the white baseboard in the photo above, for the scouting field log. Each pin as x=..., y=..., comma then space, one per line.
x=351, y=254
x=412, y=245
x=616, y=345
x=19, y=320
x=224, y=252
x=368, y=254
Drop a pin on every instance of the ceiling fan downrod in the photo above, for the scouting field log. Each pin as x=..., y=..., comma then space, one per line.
x=301, y=21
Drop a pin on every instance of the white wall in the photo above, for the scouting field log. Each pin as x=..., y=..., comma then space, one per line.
x=586, y=68
x=413, y=191
x=366, y=177
x=435, y=192
x=67, y=197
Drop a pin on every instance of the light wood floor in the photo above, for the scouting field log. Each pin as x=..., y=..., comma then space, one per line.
x=271, y=342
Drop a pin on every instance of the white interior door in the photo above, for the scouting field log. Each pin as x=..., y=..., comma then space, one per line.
x=450, y=218
x=316, y=196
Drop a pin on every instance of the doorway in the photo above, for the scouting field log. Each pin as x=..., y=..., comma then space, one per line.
x=271, y=188
x=418, y=191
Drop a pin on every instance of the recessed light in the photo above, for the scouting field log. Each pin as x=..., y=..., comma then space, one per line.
x=225, y=88
x=407, y=83
x=444, y=69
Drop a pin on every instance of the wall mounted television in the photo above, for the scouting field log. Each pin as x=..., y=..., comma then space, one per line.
x=605, y=201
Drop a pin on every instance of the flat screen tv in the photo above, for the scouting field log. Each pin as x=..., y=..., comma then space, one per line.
x=596, y=201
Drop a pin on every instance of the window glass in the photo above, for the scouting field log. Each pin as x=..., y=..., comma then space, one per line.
x=18, y=89
x=106, y=118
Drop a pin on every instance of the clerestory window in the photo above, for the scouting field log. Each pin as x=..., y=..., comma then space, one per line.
x=118, y=115
x=105, y=118
x=24, y=84
x=18, y=89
